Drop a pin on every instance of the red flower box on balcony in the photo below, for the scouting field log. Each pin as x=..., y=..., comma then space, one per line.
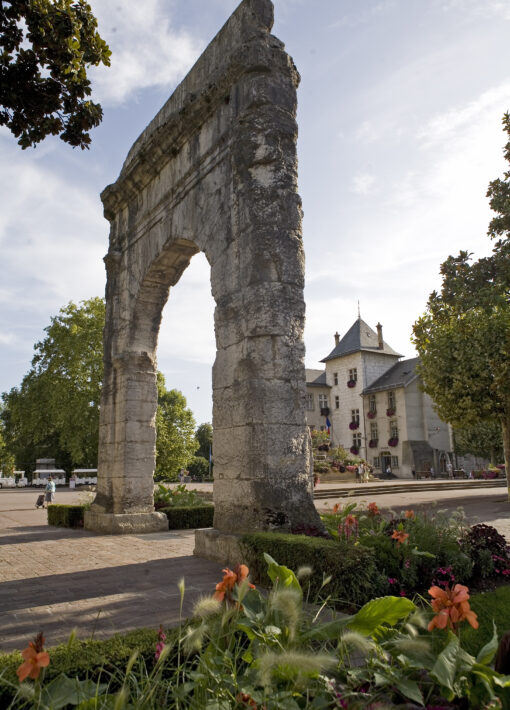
x=351, y=383
x=373, y=443
x=390, y=412
x=371, y=415
x=353, y=426
x=354, y=450
x=393, y=441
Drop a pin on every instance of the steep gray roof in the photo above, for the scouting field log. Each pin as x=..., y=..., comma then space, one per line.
x=316, y=378
x=360, y=336
x=400, y=375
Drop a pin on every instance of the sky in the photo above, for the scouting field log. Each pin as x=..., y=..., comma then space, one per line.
x=399, y=112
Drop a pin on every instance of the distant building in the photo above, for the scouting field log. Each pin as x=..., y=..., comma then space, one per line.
x=375, y=405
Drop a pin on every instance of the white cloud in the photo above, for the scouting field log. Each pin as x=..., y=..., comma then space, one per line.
x=147, y=51
x=362, y=184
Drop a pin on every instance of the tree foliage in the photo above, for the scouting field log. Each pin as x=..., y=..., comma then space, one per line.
x=204, y=435
x=463, y=338
x=482, y=439
x=55, y=411
x=175, y=432
x=46, y=49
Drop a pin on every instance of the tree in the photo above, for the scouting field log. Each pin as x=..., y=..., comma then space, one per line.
x=482, y=439
x=463, y=338
x=55, y=411
x=204, y=435
x=47, y=47
x=7, y=461
x=175, y=432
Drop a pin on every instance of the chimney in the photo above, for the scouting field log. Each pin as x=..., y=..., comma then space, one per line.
x=337, y=338
x=379, y=336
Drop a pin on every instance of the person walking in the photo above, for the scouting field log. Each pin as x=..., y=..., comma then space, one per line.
x=49, y=494
x=356, y=471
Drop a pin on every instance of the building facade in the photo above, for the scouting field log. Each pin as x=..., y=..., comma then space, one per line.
x=375, y=405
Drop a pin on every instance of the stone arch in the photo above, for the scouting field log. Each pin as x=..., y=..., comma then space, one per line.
x=215, y=171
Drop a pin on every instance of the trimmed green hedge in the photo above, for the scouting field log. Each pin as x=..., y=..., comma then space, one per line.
x=85, y=659
x=66, y=516
x=185, y=517
x=355, y=578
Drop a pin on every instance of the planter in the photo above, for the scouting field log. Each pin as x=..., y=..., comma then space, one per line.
x=353, y=426
x=393, y=441
x=373, y=443
x=371, y=415
x=390, y=412
x=354, y=450
x=351, y=383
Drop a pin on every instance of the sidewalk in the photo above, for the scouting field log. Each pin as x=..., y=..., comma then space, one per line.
x=57, y=579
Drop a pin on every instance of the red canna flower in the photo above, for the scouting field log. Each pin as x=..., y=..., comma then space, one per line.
x=373, y=509
x=336, y=507
x=35, y=658
x=400, y=536
x=409, y=514
x=452, y=607
x=230, y=579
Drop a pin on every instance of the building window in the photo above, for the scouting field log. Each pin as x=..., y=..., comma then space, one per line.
x=337, y=402
x=377, y=462
x=374, y=435
x=394, y=462
x=356, y=440
x=355, y=416
x=353, y=374
x=394, y=430
x=335, y=378
x=371, y=404
x=392, y=400
x=323, y=401
x=309, y=402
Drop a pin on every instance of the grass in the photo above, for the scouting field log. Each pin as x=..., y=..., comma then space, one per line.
x=489, y=606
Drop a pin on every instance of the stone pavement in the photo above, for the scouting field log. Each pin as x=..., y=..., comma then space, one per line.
x=58, y=579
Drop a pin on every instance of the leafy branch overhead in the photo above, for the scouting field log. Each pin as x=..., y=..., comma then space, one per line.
x=46, y=47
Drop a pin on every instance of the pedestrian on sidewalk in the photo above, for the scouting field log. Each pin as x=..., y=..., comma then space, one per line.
x=356, y=471
x=49, y=495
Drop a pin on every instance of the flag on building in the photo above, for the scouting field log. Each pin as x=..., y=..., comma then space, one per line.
x=328, y=424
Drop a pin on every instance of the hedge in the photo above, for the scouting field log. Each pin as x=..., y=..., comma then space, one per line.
x=192, y=516
x=66, y=516
x=354, y=575
x=92, y=659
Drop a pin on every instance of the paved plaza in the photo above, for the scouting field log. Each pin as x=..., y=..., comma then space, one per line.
x=58, y=579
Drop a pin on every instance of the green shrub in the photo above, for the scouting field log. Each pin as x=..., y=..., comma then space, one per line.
x=354, y=576
x=189, y=516
x=84, y=658
x=179, y=496
x=66, y=516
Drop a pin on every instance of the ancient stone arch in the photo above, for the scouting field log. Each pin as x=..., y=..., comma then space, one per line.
x=215, y=171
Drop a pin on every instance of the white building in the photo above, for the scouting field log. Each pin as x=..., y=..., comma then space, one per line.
x=375, y=405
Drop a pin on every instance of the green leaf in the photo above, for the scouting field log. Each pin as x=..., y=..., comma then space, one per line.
x=452, y=661
x=281, y=575
x=326, y=632
x=385, y=610
x=409, y=689
x=64, y=691
x=487, y=653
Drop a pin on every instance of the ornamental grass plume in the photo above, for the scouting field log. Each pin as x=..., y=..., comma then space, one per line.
x=35, y=658
x=451, y=607
x=400, y=536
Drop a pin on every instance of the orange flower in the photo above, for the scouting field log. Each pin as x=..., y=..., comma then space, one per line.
x=35, y=658
x=400, y=536
x=409, y=514
x=230, y=579
x=350, y=520
x=336, y=507
x=373, y=509
x=452, y=607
